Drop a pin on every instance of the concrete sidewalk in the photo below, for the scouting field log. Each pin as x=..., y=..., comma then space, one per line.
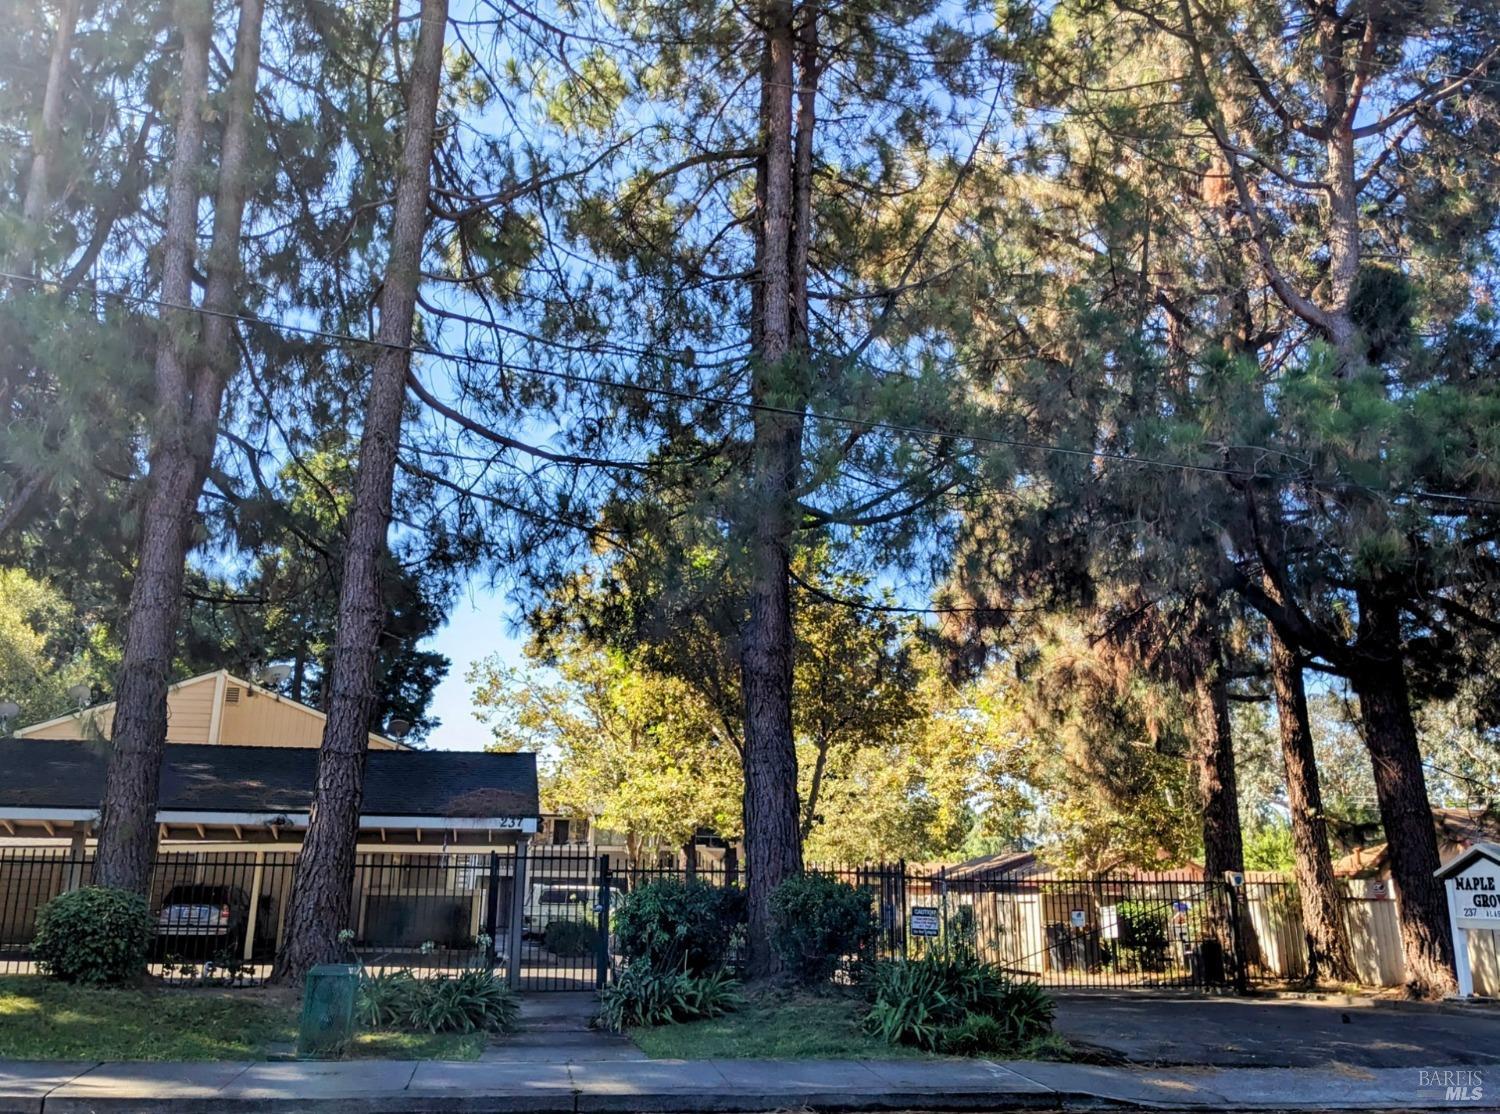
x=407, y=1087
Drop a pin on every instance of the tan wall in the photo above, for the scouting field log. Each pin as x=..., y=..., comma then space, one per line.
x=266, y=720
x=261, y=719
x=75, y=727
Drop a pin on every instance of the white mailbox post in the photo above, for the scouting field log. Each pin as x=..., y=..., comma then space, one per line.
x=1473, y=884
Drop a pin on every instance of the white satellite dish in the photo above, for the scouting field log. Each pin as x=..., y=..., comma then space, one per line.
x=273, y=675
x=81, y=695
x=9, y=710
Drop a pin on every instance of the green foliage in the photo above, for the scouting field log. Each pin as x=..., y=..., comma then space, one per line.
x=470, y=1002
x=643, y=996
x=957, y=1005
x=819, y=924
x=1269, y=846
x=1144, y=936
x=669, y=925
x=571, y=938
x=96, y=936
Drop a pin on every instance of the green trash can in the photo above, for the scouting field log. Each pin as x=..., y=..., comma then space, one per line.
x=327, y=1010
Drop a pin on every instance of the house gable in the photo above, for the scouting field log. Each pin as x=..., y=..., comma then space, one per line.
x=212, y=708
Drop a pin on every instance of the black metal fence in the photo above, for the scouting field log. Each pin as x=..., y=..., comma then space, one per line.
x=220, y=917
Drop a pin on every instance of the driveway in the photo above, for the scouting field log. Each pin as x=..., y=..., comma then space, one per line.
x=1239, y=1033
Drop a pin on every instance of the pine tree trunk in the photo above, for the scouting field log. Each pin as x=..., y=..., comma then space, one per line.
x=1213, y=761
x=323, y=885
x=127, y=820
x=1401, y=790
x=190, y=388
x=1328, y=955
x=773, y=845
x=44, y=144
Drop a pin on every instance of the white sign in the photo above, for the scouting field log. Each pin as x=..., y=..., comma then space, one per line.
x=1078, y=918
x=924, y=920
x=1473, y=884
x=1109, y=922
x=1476, y=895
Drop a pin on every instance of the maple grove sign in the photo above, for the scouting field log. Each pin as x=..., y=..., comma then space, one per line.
x=1473, y=884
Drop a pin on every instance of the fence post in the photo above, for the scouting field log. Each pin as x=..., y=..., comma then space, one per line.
x=943, y=901
x=898, y=921
x=601, y=971
x=517, y=913
x=492, y=911
x=1236, y=937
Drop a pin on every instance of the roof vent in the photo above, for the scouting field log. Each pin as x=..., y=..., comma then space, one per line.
x=232, y=694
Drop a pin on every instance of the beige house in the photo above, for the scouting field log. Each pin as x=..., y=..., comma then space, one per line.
x=211, y=708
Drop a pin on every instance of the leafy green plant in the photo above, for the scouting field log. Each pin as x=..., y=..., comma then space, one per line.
x=470, y=1002
x=975, y=1035
x=643, y=996
x=671, y=925
x=385, y=1001
x=1144, y=938
x=95, y=935
x=571, y=938
x=955, y=1004
x=818, y=924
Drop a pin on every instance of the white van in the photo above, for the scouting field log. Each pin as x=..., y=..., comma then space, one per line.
x=560, y=901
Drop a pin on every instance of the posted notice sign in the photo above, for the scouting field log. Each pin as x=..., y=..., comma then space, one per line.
x=923, y=921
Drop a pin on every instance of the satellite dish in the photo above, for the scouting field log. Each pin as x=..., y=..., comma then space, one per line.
x=9, y=710
x=81, y=695
x=273, y=675
x=397, y=728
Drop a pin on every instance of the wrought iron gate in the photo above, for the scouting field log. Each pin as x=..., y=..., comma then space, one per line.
x=1105, y=931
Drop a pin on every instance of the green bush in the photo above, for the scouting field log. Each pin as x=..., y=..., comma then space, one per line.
x=643, y=996
x=571, y=938
x=957, y=1004
x=469, y=1002
x=1144, y=938
x=671, y=925
x=976, y=1035
x=96, y=936
x=817, y=923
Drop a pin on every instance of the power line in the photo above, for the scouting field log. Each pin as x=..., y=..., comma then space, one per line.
x=853, y=422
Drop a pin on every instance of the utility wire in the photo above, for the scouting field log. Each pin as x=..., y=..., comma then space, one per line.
x=853, y=422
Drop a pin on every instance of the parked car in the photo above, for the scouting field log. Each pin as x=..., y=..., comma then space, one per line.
x=199, y=921
x=559, y=901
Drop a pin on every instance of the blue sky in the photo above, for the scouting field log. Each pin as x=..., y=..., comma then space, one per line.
x=479, y=625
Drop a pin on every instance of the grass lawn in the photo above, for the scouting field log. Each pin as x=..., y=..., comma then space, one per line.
x=775, y=1026
x=41, y=1019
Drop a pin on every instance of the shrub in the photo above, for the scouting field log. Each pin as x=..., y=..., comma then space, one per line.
x=816, y=922
x=469, y=1002
x=96, y=936
x=1143, y=934
x=958, y=1004
x=386, y=1001
x=571, y=938
x=976, y=1035
x=672, y=925
x=643, y=996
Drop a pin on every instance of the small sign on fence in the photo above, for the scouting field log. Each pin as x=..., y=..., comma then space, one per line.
x=1078, y=918
x=923, y=921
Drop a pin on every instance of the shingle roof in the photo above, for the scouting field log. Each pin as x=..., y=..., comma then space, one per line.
x=51, y=773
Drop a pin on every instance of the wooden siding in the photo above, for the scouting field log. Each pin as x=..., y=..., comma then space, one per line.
x=248, y=717
x=266, y=720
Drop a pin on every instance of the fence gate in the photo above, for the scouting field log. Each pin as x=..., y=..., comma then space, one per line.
x=564, y=902
x=1105, y=932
